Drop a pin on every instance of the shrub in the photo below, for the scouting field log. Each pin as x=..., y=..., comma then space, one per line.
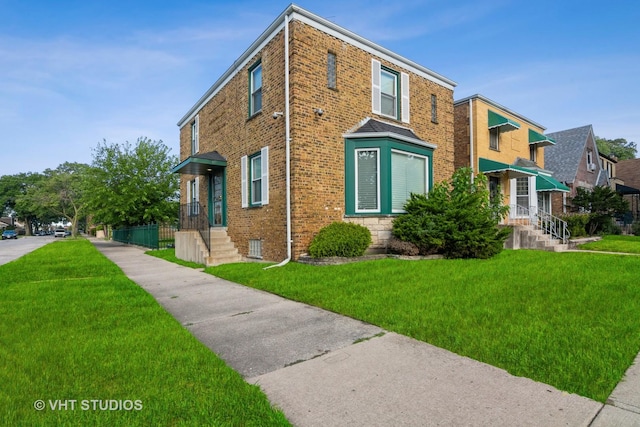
x=340, y=239
x=635, y=228
x=576, y=223
x=458, y=220
x=401, y=247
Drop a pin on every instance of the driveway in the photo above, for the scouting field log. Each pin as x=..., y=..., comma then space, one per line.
x=13, y=249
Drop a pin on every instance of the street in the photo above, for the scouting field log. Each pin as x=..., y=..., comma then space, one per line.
x=13, y=249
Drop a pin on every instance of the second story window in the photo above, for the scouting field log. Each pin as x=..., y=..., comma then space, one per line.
x=590, y=165
x=332, y=81
x=533, y=153
x=255, y=89
x=494, y=138
x=389, y=92
x=195, y=139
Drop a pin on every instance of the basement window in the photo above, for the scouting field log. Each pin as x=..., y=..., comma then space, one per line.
x=255, y=248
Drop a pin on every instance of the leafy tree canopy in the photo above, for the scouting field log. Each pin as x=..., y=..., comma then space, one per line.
x=60, y=194
x=133, y=184
x=602, y=204
x=620, y=148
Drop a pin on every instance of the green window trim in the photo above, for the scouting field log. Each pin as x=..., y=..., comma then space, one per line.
x=385, y=147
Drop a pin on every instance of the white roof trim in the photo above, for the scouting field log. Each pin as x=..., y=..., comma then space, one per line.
x=390, y=135
x=500, y=107
x=302, y=15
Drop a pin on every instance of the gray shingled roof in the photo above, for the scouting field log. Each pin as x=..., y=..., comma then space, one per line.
x=373, y=125
x=564, y=157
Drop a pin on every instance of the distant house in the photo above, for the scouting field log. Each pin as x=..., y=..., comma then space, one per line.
x=510, y=149
x=311, y=124
x=609, y=167
x=574, y=160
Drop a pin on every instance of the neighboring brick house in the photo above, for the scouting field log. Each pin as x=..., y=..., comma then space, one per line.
x=509, y=148
x=629, y=172
x=574, y=160
x=609, y=167
x=312, y=124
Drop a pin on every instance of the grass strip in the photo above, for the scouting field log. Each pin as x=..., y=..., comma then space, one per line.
x=565, y=319
x=169, y=254
x=76, y=332
x=613, y=243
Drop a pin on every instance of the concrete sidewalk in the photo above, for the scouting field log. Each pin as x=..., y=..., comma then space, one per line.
x=323, y=369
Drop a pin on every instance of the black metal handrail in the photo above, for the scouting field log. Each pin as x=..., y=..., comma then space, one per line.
x=193, y=216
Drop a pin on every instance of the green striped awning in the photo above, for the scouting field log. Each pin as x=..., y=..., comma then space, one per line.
x=549, y=183
x=487, y=166
x=540, y=139
x=504, y=124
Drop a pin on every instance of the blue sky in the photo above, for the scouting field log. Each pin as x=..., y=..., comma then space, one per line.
x=75, y=73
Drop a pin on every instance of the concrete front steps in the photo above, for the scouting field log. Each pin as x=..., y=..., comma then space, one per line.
x=191, y=247
x=526, y=237
x=223, y=250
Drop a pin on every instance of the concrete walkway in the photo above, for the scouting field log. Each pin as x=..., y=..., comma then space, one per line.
x=323, y=369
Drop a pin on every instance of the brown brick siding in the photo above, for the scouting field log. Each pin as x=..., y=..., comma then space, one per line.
x=317, y=145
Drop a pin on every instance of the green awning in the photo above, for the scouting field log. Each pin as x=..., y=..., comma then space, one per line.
x=540, y=139
x=200, y=164
x=501, y=122
x=487, y=166
x=549, y=183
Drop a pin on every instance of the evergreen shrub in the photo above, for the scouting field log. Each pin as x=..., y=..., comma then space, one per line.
x=341, y=239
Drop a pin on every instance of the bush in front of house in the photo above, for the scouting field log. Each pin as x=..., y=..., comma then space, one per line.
x=341, y=239
x=603, y=205
x=457, y=220
x=577, y=224
x=635, y=228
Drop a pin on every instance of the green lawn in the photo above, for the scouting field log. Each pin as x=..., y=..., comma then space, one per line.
x=73, y=327
x=610, y=243
x=565, y=319
x=169, y=254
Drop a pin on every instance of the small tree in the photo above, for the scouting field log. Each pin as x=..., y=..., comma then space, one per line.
x=603, y=204
x=459, y=220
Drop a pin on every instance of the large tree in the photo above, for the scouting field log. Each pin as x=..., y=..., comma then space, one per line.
x=133, y=184
x=13, y=189
x=62, y=193
x=619, y=147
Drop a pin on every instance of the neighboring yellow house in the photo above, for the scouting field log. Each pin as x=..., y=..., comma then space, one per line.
x=509, y=149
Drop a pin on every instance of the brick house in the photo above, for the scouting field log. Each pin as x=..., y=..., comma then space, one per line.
x=574, y=160
x=312, y=124
x=509, y=148
x=628, y=176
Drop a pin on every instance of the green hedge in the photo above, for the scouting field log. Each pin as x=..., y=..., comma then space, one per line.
x=340, y=239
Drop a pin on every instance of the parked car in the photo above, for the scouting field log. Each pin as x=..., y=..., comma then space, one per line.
x=9, y=234
x=60, y=232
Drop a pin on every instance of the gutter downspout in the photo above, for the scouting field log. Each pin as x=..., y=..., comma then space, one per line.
x=287, y=141
x=473, y=167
